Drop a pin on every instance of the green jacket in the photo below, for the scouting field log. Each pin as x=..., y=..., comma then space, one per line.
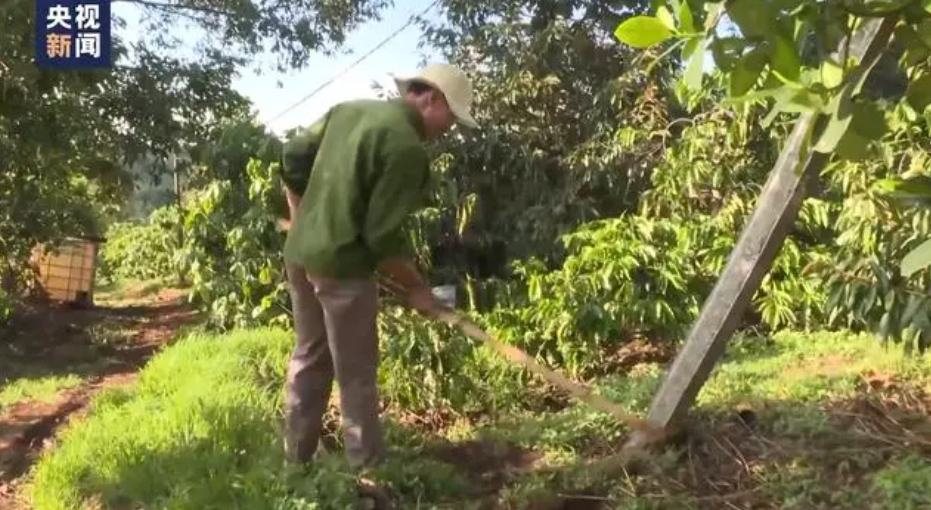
x=361, y=170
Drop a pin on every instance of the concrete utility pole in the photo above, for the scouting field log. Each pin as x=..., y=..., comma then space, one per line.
x=759, y=243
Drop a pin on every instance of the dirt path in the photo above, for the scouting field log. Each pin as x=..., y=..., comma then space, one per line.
x=104, y=347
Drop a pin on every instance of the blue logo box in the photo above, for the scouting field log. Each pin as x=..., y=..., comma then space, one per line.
x=73, y=34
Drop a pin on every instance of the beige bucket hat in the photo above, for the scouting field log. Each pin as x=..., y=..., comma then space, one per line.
x=452, y=82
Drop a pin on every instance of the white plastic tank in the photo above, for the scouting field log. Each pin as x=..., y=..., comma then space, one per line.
x=446, y=294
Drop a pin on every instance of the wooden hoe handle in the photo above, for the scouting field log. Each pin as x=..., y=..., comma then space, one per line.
x=520, y=357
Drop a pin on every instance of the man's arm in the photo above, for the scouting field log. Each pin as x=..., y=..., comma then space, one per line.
x=294, y=201
x=297, y=160
x=396, y=194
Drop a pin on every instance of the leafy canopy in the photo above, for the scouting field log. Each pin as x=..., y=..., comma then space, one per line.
x=795, y=54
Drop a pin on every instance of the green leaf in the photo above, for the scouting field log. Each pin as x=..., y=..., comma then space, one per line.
x=802, y=100
x=868, y=301
x=811, y=79
x=785, y=59
x=918, y=94
x=833, y=299
x=841, y=116
x=854, y=147
x=917, y=259
x=666, y=18
x=841, y=108
x=753, y=96
x=690, y=46
x=923, y=32
x=875, y=8
x=869, y=121
x=789, y=100
x=914, y=191
x=832, y=73
x=265, y=276
x=927, y=5
x=712, y=9
x=919, y=185
x=914, y=304
x=686, y=20
x=916, y=51
x=726, y=51
x=884, y=325
x=853, y=293
x=747, y=71
x=753, y=17
x=695, y=68
x=880, y=273
x=642, y=32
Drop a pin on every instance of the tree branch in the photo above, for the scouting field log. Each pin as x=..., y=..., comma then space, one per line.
x=176, y=7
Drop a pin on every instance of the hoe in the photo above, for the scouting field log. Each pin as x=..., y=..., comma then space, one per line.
x=649, y=435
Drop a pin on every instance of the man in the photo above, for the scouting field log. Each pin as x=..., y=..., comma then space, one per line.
x=352, y=179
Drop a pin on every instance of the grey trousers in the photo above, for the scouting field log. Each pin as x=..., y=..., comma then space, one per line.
x=337, y=336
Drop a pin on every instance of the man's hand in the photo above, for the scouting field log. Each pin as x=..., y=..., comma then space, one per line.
x=294, y=202
x=423, y=300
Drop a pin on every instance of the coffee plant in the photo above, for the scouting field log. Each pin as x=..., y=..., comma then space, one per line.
x=794, y=56
x=142, y=250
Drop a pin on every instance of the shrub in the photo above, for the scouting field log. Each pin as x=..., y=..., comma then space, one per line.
x=142, y=251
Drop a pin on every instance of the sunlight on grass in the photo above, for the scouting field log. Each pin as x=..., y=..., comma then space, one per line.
x=200, y=430
x=205, y=406
x=128, y=288
x=804, y=367
x=41, y=389
x=130, y=292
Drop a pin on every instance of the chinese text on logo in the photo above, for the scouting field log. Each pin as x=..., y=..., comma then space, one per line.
x=73, y=34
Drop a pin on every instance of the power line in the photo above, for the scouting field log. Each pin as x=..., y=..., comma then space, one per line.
x=358, y=61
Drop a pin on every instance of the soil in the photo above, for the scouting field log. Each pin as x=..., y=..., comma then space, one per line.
x=104, y=345
x=717, y=463
x=640, y=351
x=489, y=464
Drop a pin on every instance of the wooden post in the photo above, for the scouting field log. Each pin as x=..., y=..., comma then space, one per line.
x=760, y=241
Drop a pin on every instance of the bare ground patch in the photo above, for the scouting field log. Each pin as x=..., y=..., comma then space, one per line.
x=105, y=346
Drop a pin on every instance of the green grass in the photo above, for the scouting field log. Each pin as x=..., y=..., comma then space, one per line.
x=200, y=431
x=130, y=292
x=120, y=289
x=73, y=352
x=41, y=389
